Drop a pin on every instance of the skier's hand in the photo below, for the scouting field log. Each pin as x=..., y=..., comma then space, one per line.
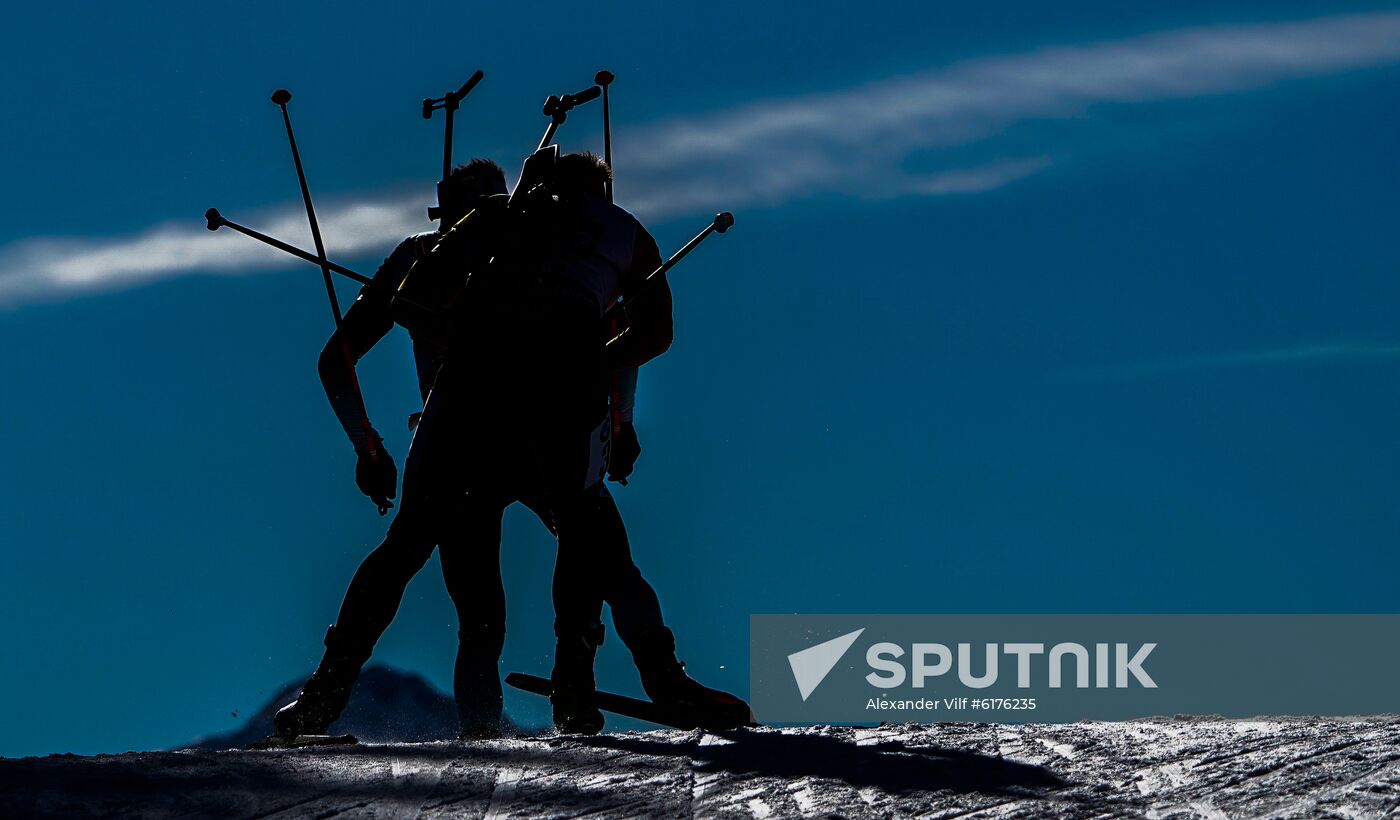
x=625, y=450
x=376, y=475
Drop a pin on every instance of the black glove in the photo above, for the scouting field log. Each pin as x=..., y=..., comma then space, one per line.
x=376, y=475
x=625, y=450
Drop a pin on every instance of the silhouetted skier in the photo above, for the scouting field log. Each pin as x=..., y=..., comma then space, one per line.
x=467, y=530
x=377, y=588
x=538, y=311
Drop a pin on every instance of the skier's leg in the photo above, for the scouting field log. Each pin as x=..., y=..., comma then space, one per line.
x=369, y=606
x=578, y=609
x=594, y=562
x=378, y=586
x=471, y=568
x=666, y=682
x=564, y=412
x=635, y=608
x=637, y=617
x=578, y=630
x=377, y=589
x=535, y=503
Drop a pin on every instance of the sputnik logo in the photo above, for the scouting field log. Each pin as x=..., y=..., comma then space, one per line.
x=811, y=666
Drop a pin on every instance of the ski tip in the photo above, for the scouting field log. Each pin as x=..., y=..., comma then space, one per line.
x=533, y=684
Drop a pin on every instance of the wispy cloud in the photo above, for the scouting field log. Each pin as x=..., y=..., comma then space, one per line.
x=860, y=141
x=1303, y=354
x=52, y=268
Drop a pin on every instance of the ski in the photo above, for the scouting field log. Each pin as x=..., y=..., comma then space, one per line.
x=301, y=742
x=609, y=702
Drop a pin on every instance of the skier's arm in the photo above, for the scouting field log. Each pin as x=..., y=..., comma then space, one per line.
x=627, y=393
x=366, y=322
x=626, y=448
x=650, y=328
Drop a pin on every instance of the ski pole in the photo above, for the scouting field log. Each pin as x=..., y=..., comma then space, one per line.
x=281, y=97
x=604, y=79
x=217, y=220
x=449, y=104
x=558, y=108
x=723, y=221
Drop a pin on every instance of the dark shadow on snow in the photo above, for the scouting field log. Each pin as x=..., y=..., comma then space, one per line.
x=303, y=782
x=891, y=767
x=463, y=776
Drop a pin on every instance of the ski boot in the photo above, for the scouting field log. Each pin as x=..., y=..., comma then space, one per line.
x=667, y=684
x=476, y=682
x=325, y=694
x=573, y=703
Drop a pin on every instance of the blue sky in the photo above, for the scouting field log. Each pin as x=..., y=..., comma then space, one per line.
x=1083, y=308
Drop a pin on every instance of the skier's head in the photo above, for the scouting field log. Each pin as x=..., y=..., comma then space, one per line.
x=465, y=184
x=582, y=173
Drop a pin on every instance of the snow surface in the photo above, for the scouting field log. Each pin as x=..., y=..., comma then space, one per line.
x=1164, y=768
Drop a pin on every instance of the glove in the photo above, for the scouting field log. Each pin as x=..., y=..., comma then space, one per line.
x=625, y=450
x=376, y=476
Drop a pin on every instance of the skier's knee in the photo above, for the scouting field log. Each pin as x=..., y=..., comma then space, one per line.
x=401, y=554
x=587, y=633
x=347, y=648
x=624, y=574
x=582, y=507
x=486, y=638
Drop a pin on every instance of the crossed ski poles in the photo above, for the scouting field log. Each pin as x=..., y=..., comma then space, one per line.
x=217, y=220
x=722, y=222
x=557, y=108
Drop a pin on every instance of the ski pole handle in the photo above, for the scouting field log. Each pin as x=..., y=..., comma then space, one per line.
x=561, y=106
x=451, y=99
x=468, y=86
x=558, y=108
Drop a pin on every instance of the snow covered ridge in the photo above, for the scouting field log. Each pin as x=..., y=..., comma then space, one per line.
x=1185, y=767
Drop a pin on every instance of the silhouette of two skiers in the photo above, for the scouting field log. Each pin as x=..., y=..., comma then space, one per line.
x=528, y=394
